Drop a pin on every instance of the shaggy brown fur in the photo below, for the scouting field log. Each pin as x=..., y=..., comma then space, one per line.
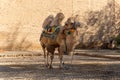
x=51, y=44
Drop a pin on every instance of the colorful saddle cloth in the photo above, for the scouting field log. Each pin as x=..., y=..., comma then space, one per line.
x=51, y=32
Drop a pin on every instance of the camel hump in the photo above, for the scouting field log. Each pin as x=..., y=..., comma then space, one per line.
x=48, y=21
x=58, y=19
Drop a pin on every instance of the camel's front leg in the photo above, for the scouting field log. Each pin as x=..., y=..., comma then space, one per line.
x=61, y=57
x=45, y=56
x=46, y=60
x=59, y=53
x=51, y=60
x=51, y=50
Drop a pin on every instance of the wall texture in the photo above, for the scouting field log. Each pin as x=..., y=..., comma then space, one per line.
x=21, y=20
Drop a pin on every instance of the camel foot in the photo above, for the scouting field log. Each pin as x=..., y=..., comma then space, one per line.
x=64, y=67
x=50, y=67
x=63, y=63
x=61, y=67
x=46, y=65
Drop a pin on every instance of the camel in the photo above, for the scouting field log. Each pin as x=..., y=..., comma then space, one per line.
x=48, y=23
x=65, y=41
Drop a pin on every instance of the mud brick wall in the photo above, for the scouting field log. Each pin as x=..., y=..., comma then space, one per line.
x=21, y=20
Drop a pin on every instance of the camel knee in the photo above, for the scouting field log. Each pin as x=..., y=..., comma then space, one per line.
x=52, y=57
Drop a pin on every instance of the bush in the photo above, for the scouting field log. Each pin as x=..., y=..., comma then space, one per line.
x=118, y=39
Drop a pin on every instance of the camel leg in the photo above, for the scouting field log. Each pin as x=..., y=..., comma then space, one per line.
x=61, y=60
x=51, y=60
x=59, y=53
x=45, y=55
x=61, y=57
x=47, y=61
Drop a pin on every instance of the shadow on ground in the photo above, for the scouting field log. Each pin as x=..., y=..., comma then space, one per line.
x=74, y=71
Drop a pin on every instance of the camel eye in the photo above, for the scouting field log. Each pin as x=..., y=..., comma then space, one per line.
x=66, y=24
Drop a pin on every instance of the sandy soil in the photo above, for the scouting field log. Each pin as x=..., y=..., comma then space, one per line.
x=82, y=68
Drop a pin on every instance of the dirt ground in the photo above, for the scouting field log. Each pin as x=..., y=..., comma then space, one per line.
x=82, y=67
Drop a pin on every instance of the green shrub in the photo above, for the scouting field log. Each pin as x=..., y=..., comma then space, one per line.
x=118, y=39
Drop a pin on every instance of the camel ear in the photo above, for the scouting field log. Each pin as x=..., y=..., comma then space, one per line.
x=77, y=24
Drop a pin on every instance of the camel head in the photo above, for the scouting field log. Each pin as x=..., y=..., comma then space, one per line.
x=71, y=33
x=72, y=23
x=60, y=16
x=71, y=26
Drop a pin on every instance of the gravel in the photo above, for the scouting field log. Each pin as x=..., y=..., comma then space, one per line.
x=82, y=68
